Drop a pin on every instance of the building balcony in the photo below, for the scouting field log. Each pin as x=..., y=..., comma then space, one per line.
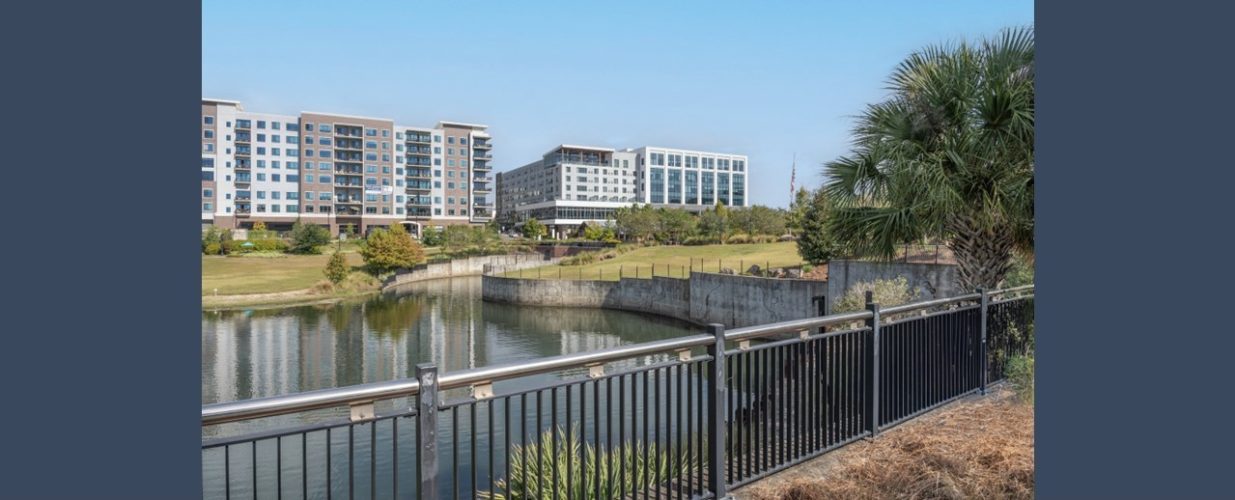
x=482, y=156
x=419, y=139
x=486, y=145
x=481, y=166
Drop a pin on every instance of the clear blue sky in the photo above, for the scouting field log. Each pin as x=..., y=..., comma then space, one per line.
x=766, y=79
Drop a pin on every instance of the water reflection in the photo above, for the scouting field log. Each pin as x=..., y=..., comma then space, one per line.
x=267, y=352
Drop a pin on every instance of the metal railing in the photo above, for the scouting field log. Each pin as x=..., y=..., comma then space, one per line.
x=687, y=417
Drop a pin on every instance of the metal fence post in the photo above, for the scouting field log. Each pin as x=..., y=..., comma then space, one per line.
x=872, y=358
x=426, y=430
x=985, y=301
x=716, y=413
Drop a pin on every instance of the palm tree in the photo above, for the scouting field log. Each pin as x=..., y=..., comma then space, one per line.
x=949, y=156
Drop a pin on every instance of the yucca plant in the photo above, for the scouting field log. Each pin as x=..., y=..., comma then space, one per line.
x=534, y=478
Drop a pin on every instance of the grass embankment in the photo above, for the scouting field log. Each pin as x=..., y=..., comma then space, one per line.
x=272, y=279
x=675, y=261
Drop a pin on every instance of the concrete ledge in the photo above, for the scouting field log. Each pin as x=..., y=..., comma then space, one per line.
x=735, y=301
x=470, y=266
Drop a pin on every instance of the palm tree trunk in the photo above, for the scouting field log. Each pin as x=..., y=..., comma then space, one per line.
x=983, y=252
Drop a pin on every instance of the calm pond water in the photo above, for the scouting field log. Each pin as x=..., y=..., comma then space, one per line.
x=267, y=352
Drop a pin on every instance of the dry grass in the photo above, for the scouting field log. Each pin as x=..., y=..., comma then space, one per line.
x=980, y=448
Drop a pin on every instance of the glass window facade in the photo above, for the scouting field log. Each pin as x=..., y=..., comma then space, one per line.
x=658, y=185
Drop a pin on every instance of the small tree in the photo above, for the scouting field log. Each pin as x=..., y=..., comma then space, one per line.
x=796, y=218
x=212, y=236
x=259, y=226
x=714, y=223
x=816, y=243
x=675, y=224
x=388, y=249
x=430, y=236
x=308, y=238
x=337, y=269
x=533, y=229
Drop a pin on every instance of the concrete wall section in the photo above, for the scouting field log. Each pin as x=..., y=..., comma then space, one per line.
x=932, y=280
x=738, y=301
x=734, y=301
x=471, y=266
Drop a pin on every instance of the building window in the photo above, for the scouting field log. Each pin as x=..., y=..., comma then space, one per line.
x=209, y=134
x=324, y=127
x=658, y=185
x=208, y=120
x=207, y=207
x=207, y=193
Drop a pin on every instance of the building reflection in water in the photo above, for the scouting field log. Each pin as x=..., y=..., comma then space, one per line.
x=266, y=352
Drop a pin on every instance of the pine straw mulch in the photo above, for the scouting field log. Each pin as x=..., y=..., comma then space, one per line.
x=975, y=448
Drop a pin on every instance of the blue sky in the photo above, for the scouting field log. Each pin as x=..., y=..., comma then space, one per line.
x=765, y=79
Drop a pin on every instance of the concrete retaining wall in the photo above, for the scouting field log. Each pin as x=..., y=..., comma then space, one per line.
x=932, y=280
x=735, y=301
x=738, y=301
x=471, y=266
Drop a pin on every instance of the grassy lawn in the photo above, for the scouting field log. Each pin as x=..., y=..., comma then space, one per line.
x=677, y=261
x=254, y=274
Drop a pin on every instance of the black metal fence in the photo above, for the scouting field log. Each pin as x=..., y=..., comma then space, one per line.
x=681, y=418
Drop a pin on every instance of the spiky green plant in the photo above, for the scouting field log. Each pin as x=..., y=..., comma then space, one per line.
x=534, y=478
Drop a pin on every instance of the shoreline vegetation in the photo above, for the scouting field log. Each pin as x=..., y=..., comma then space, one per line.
x=262, y=279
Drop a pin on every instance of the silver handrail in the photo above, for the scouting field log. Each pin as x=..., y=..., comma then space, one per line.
x=492, y=374
x=234, y=411
x=221, y=413
x=1014, y=289
x=794, y=326
x=926, y=304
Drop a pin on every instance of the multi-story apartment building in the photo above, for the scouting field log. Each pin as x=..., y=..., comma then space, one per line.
x=339, y=170
x=575, y=185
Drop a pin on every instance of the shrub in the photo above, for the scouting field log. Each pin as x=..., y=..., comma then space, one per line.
x=738, y=238
x=886, y=293
x=307, y=238
x=431, y=236
x=1021, y=272
x=336, y=268
x=700, y=240
x=1019, y=372
x=270, y=245
x=213, y=249
x=233, y=247
x=389, y=249
x=580, y=259
x=259, y=226
x=212, y=236
x=546, y=460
